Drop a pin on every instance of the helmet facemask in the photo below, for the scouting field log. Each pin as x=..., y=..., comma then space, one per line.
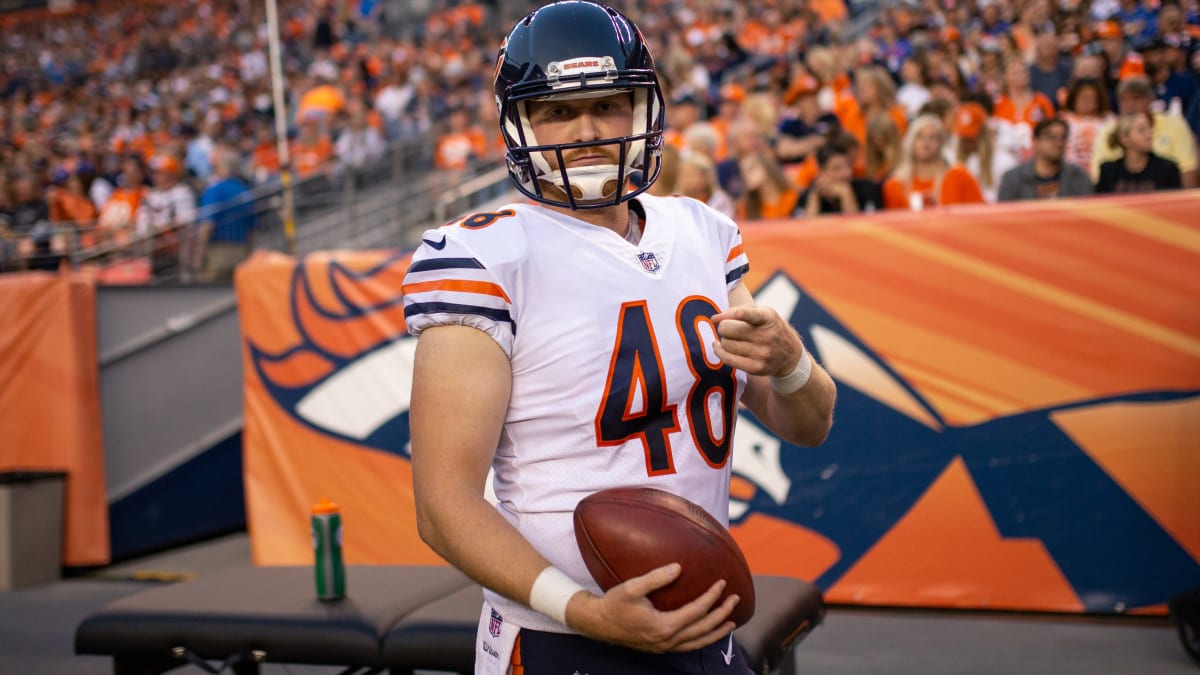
x=593, y=186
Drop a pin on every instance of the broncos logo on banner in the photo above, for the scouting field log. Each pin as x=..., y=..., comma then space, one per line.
x=350, y=378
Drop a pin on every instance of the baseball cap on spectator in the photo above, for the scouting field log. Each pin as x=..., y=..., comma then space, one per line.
x=803, y=86
x=165, y=163
x=969, y=120
x=733, y=92
x=1109, y=30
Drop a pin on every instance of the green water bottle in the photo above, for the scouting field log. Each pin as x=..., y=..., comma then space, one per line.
x=327, y=543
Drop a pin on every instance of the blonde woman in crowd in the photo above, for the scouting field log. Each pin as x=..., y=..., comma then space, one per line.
x=769, y=193
x=924, y=178
x=823, y=64
x=1087, y=114
x=763, y=109
x=874, y=93
x=665, y=186
x=1020, y=106
x=702, y=138
x=1138, y=169
x=976, y=149
x=882, y=149
x=697, y=178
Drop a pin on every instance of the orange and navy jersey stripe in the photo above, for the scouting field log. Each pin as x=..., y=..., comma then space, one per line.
x=736, y=264
x=447, y=284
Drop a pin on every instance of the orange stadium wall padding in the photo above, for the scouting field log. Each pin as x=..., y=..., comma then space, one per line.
x=1017, y=424
x=50, y=401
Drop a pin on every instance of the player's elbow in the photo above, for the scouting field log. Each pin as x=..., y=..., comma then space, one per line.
x=426, y=524
x=432, y=514
x=815, y=434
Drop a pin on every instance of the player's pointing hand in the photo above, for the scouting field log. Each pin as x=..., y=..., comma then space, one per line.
x=757, y=340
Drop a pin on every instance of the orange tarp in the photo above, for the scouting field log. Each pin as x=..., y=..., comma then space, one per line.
x=49, y=398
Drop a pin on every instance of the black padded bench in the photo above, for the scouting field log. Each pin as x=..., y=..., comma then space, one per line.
x=393, y=619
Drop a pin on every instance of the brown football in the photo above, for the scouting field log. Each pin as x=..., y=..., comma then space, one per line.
x=626, y=532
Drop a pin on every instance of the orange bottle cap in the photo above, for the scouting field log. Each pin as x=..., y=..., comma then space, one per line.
x=324, y=506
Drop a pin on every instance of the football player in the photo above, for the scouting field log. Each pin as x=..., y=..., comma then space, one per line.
x=594, y=338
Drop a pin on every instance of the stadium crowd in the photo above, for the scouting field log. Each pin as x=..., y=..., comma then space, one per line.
x=154, y=120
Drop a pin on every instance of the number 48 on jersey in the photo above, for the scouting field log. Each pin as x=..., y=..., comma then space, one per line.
x=636, y=367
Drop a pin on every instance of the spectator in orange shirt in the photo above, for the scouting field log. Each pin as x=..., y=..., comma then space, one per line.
x=119, y=216
x=461, y=145
x=312, y=151
x=875, y=93
x=975, y=148
x=70, y=205
x=683, y=112
x=882, y=150
x=1018, y=103
x=729, y=108
x=1122, y=61
x=924, y=178
x=264, y=161
x=769, y=193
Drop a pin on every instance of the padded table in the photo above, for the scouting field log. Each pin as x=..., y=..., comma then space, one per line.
x=394, y=618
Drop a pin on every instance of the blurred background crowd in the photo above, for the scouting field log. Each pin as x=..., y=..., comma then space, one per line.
x=153, y=121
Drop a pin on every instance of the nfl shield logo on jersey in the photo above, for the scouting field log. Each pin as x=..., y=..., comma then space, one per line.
x=649, y=261
x=494, y=624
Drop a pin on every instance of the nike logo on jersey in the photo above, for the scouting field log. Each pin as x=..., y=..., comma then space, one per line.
x=728, y=656
x=435, y=245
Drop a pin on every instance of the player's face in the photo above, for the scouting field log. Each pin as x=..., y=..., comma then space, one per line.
x=557, y=122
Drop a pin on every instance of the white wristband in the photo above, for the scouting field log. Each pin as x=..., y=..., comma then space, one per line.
x=796, y=379
x=551, y=592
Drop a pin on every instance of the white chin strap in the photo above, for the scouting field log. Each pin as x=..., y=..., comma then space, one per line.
x=590, y=183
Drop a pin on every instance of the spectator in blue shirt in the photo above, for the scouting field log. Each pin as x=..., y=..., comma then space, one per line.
x=1192, y=115
x=226, y=219
x=1169, y=83
x=1137, y=21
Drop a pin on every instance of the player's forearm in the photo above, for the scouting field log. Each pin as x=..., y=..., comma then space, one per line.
x=803, y=417
x=462, y=527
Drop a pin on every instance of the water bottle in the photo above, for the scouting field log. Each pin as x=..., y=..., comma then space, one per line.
x=327, y=544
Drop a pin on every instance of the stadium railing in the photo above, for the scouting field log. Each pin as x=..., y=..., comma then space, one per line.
x=386, y=203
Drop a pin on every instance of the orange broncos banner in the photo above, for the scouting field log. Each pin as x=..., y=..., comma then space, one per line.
x=50, y=398
x=1017, y=422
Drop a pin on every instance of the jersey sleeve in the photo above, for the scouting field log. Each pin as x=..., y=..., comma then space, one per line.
x=448, y=284
x=736, y=262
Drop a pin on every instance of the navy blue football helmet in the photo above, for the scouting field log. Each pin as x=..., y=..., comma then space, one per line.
x=576, y=49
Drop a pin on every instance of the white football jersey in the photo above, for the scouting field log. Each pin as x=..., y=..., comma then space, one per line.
x=615, y=382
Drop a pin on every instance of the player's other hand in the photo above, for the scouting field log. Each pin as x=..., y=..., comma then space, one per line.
x=757, y=340
x=625, y=616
